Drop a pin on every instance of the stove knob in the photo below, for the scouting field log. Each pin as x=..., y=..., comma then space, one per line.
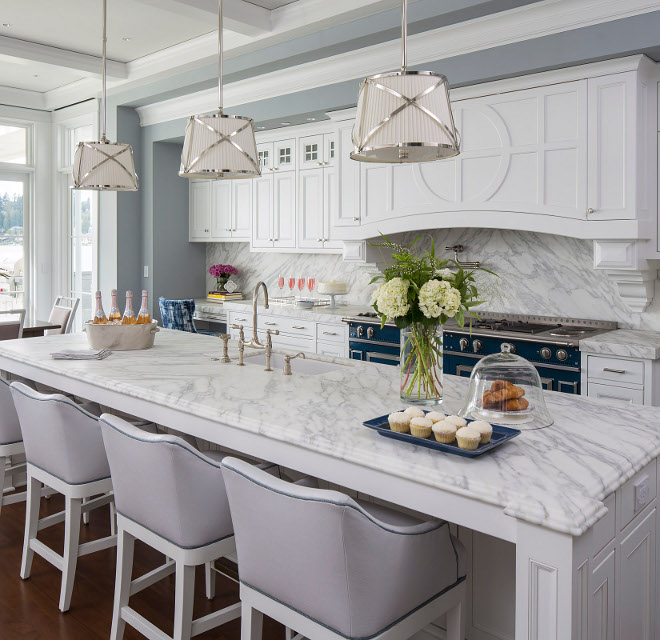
x=463, y=343
x=562, y=355
x=370, y=333
x=507, y=347
x=546, y=353
x=360, y=331
x=477, y=345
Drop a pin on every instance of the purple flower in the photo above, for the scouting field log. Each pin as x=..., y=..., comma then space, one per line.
x=220, y=270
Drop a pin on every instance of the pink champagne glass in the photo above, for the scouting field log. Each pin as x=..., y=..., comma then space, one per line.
x=280, y=282
x=311, y=283
x=301, y=283
x=292, y=283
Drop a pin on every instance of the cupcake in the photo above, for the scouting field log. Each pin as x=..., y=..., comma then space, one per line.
x=414, y=412
x=484, y=428
x=468, y=438
x=435, y=416
x=421, y=427
x=444, y=432
x=399, y=422
x=457, y=420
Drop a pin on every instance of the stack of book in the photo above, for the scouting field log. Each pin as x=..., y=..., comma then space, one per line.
x=224, y=295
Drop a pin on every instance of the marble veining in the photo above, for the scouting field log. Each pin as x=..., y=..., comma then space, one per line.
x=317, y=314
x=555, y=477
x=624, y=342
x=540, y=274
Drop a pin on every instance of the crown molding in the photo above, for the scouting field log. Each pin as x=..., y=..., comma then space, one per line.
x=23, y=98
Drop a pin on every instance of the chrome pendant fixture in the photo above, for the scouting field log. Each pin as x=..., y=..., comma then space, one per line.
x=404, y=116
x=219, y=146
x=104, y=165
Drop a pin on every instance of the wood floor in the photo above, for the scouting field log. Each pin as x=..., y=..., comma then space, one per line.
x=29, y=608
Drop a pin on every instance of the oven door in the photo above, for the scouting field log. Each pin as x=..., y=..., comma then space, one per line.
x=374, y=353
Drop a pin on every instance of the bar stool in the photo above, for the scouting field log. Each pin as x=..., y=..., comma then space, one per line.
x=64, y=450
x=333, y=568
x=171, y=496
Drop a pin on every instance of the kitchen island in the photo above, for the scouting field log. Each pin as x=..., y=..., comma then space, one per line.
x=578, y=499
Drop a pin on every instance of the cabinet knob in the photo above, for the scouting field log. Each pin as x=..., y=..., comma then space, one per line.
x=319, y=240
x=590, y=211
x=320, y=164
x=356, y=219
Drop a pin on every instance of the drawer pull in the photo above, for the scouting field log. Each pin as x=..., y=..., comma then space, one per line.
x=270, y=324
x=294, y=327
x=329, y=333
x=614, y=370
x=240, y=319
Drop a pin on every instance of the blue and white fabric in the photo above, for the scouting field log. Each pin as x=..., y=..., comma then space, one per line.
x=177, y=314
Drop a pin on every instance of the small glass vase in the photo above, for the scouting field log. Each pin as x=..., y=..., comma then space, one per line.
x=221, y=283
x=421, y=364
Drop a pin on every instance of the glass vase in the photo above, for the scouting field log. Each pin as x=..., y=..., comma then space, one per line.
x=221, y=282
x=421, y=364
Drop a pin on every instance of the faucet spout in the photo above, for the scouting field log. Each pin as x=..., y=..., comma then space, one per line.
x=255, y=299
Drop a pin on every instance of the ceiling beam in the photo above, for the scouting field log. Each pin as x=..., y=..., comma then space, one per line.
x=83, y=63
x=239, y=16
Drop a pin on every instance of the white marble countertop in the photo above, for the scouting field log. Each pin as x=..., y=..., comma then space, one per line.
x=316, y=314
x=555, y=477
x=630, y=343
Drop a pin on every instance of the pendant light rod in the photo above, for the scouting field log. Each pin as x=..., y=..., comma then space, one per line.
x=105, y=39
x=219, y=55
x=404, y=36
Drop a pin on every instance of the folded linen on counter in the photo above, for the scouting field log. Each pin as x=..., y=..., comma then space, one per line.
x=100, y=354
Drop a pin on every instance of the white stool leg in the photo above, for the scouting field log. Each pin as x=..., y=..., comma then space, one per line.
x=113, y=519
x=125, y=548
x=183, y=601
x=3, y=468
x=209, y=574
x=288, y=633
x=455, y=623
x=251, y=623
x=32, y=502
x=85, y=515
x=71, y=538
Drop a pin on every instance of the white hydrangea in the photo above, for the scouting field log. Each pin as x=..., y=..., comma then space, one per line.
x=444, y=274
x=391, y=298
x=437, y=297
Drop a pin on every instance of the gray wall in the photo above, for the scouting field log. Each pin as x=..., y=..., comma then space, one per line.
x=178, y=266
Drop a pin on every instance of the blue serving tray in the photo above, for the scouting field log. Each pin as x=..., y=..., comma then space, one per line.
x=500, y=435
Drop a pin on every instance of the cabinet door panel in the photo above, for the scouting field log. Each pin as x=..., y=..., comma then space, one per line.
x=311, y=152
x=221, y=210
x=601, y=602
x=348, y=211
x=330, y=205
x=200, y=210
x=241, y=209
x=636, y=582
x=615, y=395
x=330, y=149
x=262, y=212
x=265, y=155
x=285, y=155
x=310, y=209
x=284, y=210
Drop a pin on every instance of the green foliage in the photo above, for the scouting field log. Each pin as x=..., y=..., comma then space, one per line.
x=11, y=214
x=418, y=270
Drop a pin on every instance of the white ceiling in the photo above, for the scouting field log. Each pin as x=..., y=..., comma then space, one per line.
x=271, y=4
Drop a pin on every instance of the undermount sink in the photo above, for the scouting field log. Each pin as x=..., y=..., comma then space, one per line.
x=307, y=366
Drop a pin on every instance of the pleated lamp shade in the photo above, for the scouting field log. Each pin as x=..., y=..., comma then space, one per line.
x=104, y=166
x=219, y=146
x=404, y=116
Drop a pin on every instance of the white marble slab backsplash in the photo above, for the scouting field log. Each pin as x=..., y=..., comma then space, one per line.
x=539, y=274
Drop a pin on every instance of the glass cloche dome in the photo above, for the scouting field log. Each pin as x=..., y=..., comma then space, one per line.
x=506, y=389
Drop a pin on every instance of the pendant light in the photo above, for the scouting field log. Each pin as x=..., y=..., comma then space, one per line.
x=219, y=146
x=104, y=165
x=404, y=116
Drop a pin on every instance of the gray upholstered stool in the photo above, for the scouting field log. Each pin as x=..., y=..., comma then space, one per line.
x=64, y=450
x=171, y=496
x=331, y=568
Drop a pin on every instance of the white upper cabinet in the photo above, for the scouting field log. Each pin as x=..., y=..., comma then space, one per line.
x=347, y=210
x=200, y=209
x=284, y=211
x=262, y=213
x=221, y=209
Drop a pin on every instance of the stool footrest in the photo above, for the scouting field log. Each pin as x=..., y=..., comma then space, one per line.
x=47, y=553
x=152, y=577
x=143, y=625
x=216, y=619
x=49, y=521
x=97, y=545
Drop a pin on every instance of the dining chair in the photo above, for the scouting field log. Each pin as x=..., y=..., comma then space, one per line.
x=11, y=324
x=177, y=314
x=333, y=568
x=64, y=450
x=62, y=313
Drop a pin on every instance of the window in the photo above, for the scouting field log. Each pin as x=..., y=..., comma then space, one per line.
x=13, y=144
x=285, y=155
x=332, y=149
x=263, y=159
x=13, y=200
x=74, y=135
x=311, y=152
x=82, y=251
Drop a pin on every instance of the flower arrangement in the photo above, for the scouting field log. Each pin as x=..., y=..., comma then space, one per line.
x=222, y=273
x=419, y=294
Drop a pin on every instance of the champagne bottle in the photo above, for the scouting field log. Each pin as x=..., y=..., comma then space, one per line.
x=129, y=314
x=143, y=315
x=99, y=314
x=115, y=314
